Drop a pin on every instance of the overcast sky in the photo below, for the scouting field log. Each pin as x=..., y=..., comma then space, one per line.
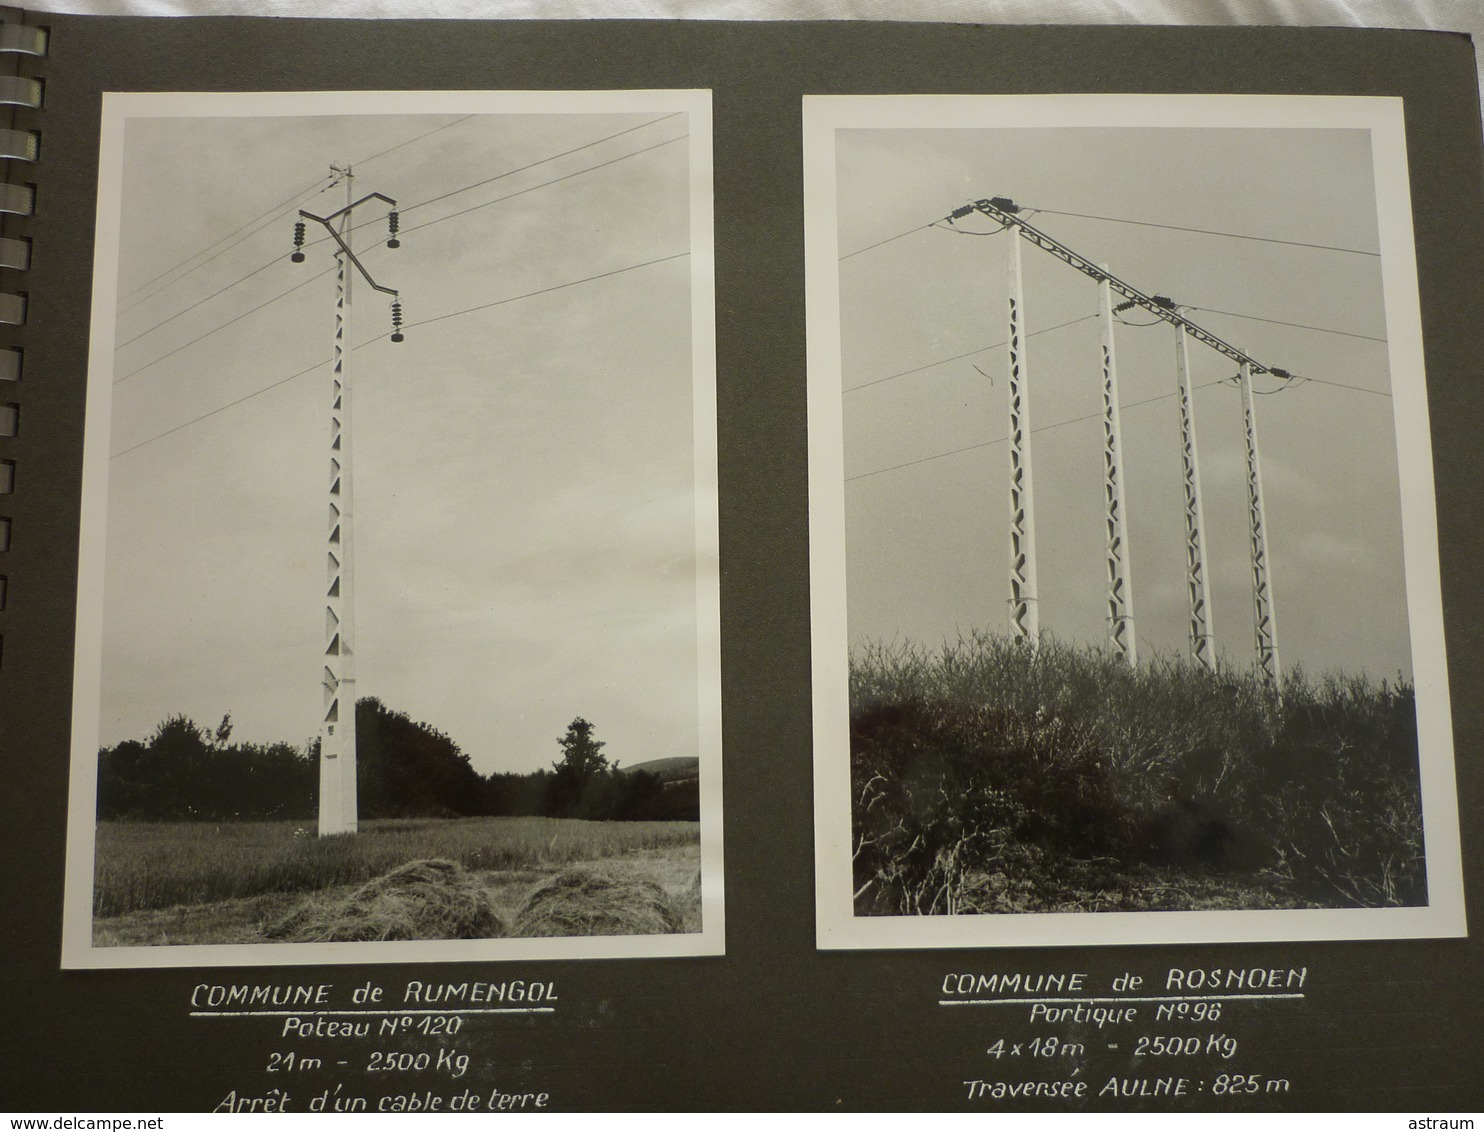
x=526, y=517
x=926, y=530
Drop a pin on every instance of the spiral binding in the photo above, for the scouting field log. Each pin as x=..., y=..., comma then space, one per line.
x=20, y=146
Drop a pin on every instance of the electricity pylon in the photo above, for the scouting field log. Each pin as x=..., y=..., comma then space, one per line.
x=1198, y=587
x=337, y=754
x=1025, y=624
x=1120, y=582
x=1264, y=618
x=1022, y=522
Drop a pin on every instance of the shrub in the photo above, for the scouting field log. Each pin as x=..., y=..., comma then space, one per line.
x=1341, y=793
x=989, y=754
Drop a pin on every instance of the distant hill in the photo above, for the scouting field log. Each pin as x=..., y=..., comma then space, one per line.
x=668, y=770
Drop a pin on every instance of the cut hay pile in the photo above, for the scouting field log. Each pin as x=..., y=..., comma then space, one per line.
x=428, y=899
x=583, y=901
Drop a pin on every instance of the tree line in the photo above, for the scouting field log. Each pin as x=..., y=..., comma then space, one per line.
x=405, y=768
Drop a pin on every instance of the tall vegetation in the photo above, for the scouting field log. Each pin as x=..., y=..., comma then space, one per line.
x=405, y=769
x=584, y=784
x=184, y=772
x=989, y=775
x=409, y=769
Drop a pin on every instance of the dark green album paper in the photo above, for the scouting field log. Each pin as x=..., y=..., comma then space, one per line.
x=708, y=758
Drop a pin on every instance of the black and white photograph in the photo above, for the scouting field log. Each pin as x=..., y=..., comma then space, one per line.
x=398, y=628
x=1127, y=623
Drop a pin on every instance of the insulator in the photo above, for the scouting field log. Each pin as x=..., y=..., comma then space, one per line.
x=961, y=212
x=298, y=256
x=1162, y=301
x=396, y=320
x=1005, y=204
x=393, y=222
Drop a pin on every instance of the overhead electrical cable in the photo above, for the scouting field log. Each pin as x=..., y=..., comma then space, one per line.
x=221, y=409
x=1204, y=231
x=960, y=357
x=546, y=290
x=542, y=185
x=449, y=216
x=889, y=239
x=272, y=214
x=199, y=302
x=524, y=168
x=1096, y=416
x=376, y=338
x=409, y=141
x=223, y=326
x=1295, y=325
x=542, y=161
x=1084, y=318
x=949, y=226
x=267, y=218
x=1040, y=428
x=1343, y=385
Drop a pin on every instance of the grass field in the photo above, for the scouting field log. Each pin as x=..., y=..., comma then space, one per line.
x=199, y=882
x=988, y=776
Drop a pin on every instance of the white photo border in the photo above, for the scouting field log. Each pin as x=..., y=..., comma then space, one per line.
x=837, y=925
x=78, y=950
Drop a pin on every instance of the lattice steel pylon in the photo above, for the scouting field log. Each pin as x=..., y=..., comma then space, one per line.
x=1025, y=622
x=1265, y=621
x=338, y=805
x=1198, y=587
x=1023, y=618
x=1120, y=585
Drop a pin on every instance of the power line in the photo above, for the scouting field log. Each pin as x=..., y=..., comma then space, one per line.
x=543, y=161
x=223, y=326
x=222, y=409
x=271, y=215
x=1203, y=231
x=889, y=239
x=547, y=290
x=1343, y=385
x=206, y=299
x=533, y=165
x=1295, y=325
x=377, y=338
x=1124, y=220
x=927, y=459
x=409, y=141
x=543, y=184
x=960, y=357
x=1042, y=428
x=1091, y=417
x=439, y=220
x=1084, y=318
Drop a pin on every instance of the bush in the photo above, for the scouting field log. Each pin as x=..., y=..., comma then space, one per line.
x=990, y=754
x=1340, y=791
x=942, y=789
x=183, y=772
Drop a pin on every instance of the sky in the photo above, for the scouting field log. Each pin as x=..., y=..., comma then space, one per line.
x=527, y=516
x=924, y=396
